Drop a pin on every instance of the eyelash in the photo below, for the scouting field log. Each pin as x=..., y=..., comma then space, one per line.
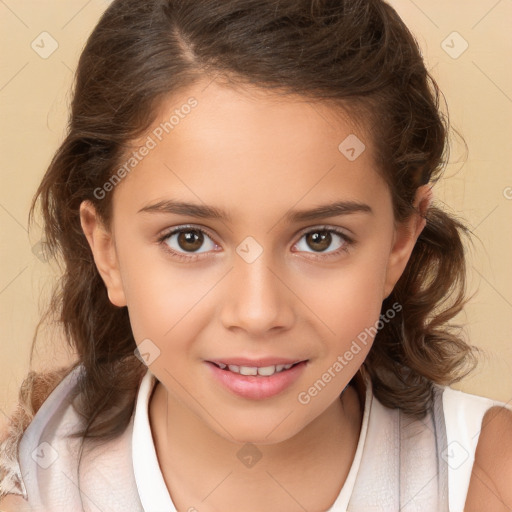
x=348, y=242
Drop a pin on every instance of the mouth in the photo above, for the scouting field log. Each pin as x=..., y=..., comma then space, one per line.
x=256, y=381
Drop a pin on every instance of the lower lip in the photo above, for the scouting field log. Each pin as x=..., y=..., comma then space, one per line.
x=257, y=387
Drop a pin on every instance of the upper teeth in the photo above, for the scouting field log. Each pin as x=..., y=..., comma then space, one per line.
x=254, y=370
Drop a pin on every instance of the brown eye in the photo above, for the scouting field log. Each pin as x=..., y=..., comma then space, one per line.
x=186, y=241
x=319, y=240
x=190, y=240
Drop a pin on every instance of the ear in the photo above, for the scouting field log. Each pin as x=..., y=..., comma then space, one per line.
x=104, y=252
x=406, y=234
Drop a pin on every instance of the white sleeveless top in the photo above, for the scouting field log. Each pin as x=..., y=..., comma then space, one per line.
x=401, y=464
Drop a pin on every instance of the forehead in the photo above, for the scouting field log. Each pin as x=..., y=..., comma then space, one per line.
x=250, y=147
x=228, y=114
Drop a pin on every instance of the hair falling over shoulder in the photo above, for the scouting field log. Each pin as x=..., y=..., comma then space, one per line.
x=357, y=54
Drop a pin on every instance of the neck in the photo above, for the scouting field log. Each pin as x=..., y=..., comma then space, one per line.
x=309, y=469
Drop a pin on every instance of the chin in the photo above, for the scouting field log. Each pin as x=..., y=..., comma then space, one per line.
x=259, y=433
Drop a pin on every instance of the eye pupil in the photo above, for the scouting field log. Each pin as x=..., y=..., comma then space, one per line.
x=321, y=238
x=190, y=237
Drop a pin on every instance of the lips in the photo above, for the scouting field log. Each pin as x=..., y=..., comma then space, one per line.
x=256, y=382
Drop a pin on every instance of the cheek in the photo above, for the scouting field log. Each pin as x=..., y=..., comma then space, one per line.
x=351, y=298
x=350, y=304
x=168, y=304
x=161, y=305
x=157, y=296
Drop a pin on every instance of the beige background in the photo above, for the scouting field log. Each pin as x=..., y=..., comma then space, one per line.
x=35, y=92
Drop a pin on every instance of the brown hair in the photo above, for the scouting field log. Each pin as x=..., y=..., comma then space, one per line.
x=356, y=53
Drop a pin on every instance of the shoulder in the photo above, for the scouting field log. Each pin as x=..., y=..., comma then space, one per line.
x=467, y=418
x=465, y=412
x=42, y=399
x=490, y=487
x=12, y=503
x=479, y=451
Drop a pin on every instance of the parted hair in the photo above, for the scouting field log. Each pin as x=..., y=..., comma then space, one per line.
x=356, y=54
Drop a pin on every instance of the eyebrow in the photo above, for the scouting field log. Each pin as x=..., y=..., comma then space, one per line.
x=211, y=212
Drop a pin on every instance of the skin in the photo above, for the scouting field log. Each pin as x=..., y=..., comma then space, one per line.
x=13, y=503
x=489, y=487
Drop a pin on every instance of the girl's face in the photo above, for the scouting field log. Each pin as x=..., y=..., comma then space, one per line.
x=251, y=227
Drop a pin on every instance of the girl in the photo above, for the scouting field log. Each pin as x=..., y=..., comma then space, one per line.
x=257, y=286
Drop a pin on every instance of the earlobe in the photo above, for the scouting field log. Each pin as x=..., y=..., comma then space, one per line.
x=104, y=252
x=406, y=234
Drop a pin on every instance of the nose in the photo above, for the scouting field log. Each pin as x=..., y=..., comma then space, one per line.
x=257, y=298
